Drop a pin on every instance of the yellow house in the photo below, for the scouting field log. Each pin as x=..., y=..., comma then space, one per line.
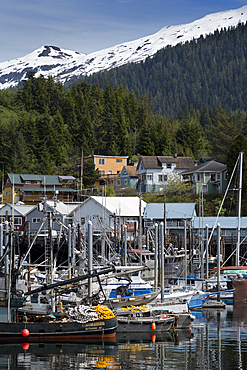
x=109, y=167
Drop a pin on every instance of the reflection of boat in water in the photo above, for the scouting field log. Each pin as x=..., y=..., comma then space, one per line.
x=176, y=337
x=240, y=312
x=135, y=337
x=57, y=348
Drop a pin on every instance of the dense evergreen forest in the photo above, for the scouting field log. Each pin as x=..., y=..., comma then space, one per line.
x=201, y=73
x=44, y=127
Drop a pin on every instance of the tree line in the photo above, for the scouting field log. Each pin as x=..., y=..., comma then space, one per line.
x=44, y=127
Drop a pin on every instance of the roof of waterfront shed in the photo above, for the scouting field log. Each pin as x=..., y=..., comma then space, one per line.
x=123, y=206
x=224, y=222
x=155, y=211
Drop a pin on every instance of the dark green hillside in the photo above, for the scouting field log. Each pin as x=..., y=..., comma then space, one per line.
x=197, y=74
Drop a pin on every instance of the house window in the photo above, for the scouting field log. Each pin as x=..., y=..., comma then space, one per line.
x=118, y=171
x=168, y=165
x=149, y=177
x=6, y=193
x=198, y=177
x=118, y=160
x=36, y=220
x=165, y=178
x=212, y=177
x=28, y=182
x=204, y=189
x=160, y=178
x=102, y=173
x=37, y=182
x=101, y=160
x=125, y=182
x=109, y=172
x=17, y=220
x=218, y=176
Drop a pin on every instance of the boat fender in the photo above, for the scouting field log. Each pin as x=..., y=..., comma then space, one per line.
x=162, y=316
x=153, y=338
x=153, y=326
x=25, y=346
x=25, y=332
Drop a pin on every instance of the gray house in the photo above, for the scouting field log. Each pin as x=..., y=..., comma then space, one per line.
x=209, y=177
x=62, y=212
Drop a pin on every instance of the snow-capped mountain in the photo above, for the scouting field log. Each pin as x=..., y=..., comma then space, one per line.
x=65, y=64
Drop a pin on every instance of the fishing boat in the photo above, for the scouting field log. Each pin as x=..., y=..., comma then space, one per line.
x=96, y=324
x=139, y=321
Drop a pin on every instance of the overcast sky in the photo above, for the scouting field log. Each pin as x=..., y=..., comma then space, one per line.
x=92, y=25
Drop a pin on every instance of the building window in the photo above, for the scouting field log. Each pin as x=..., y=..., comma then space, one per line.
x=168, y=165
x=17, y=220
x=37, y=182
x=101, y=160
x=212, y=177
x=165, y=178
x=218, y=176
x=160, y=178
x=102, y=173
x=125, y=182
x=36, y=220
x=118, y=172
x=28, y=182
x=6, y=193
x=109, y=172
x=204, y=189
x=198, y=177
x=118, y=160
x=149, y=177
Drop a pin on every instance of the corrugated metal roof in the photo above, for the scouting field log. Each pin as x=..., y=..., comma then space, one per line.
x=20, y=178
x=125, y=206
x=61, y=207
x=173, y=211
x=224, y=222
x=28, y=177
x=23, y=209
x=67, y=177
x=41, y=189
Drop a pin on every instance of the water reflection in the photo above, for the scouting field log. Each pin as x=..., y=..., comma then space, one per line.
x=218, y=340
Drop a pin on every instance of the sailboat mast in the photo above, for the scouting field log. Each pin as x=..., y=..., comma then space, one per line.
x=239, y=205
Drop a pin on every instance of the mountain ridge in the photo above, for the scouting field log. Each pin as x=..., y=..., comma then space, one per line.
x=63, y=64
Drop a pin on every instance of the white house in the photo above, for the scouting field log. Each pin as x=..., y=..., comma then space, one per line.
x=153, y=171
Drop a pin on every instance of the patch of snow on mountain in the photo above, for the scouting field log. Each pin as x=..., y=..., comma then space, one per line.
x=64, y=64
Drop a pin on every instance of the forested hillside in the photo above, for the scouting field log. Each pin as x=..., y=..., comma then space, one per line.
x=198, y=74
x=44, y=128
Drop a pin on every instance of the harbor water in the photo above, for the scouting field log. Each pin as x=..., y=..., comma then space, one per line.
x=215, y=340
